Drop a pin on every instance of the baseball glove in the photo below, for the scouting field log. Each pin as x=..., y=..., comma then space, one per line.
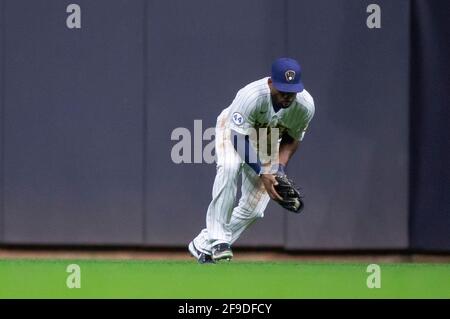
x=292, y=199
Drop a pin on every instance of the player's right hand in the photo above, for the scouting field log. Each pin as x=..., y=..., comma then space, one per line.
x=269, y=182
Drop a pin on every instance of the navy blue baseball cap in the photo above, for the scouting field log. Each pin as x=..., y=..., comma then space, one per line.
x=286, y=75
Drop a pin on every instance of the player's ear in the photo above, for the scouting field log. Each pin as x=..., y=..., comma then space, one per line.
x=269, y=83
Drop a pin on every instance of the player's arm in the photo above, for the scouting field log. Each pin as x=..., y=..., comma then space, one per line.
x=291, y=139
x=243, y=112
x=246, y=151
x=288, y=146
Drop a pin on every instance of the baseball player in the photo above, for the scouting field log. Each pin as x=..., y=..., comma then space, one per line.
x=278, y=103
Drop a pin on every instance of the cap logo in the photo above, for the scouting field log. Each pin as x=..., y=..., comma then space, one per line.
x=289, y=75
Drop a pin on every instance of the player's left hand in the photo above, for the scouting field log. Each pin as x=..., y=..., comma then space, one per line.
x=291, y=199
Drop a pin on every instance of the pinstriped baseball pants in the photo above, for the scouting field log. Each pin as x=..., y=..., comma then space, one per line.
x=225, y=222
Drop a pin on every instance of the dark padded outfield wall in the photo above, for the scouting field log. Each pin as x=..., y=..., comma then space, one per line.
x=73, y=123
x=353, y=163
x=87, y=117
x=2, y=48
x=199, y=54
x=430, y=202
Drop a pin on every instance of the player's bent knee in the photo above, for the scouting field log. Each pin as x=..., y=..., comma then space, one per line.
x=246, y=213
x=259, y=214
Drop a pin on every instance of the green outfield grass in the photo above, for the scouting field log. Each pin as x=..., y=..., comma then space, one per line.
x=186, y=279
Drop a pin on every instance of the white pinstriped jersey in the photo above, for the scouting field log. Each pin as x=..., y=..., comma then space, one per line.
x=252, y=108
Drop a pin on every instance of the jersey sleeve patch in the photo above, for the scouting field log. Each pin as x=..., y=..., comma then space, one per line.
x=238, y=119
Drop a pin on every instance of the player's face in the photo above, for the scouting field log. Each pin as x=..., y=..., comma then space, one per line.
x=282, y=99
